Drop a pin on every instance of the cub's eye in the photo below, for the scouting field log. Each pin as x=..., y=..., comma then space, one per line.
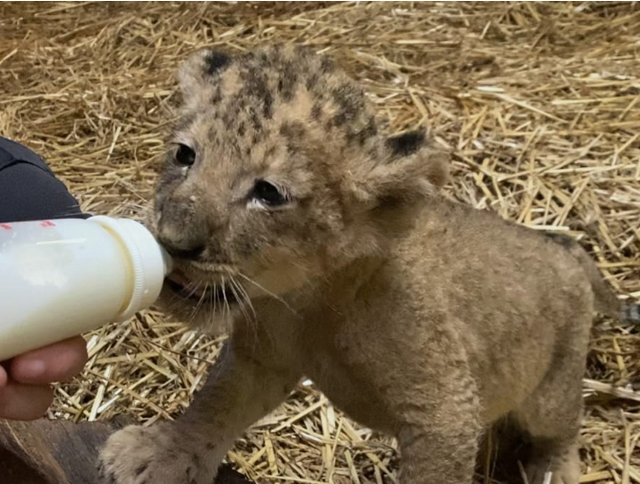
x=268, y=194
x=185, y=156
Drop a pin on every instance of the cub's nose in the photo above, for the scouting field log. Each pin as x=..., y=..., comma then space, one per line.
x=186, y=253
x=181, y=233
x=181, y=247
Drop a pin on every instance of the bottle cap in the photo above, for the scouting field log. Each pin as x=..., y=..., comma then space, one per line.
x=149, y=260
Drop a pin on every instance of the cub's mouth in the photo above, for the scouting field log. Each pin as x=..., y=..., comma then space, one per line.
x=198, y=292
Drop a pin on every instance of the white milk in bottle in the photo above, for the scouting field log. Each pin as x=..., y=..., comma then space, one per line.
x=60, y=278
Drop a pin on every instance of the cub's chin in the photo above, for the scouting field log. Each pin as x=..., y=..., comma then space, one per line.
x=209, y=310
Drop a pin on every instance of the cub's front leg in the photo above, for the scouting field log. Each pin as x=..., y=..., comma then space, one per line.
x=441, y=446
x=435, y=454
x=239, y=391
x=440, y=436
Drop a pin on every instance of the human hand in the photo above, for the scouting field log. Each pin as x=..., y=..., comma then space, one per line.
x=25, y=393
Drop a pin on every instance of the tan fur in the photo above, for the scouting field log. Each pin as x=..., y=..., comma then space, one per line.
x=417, y=316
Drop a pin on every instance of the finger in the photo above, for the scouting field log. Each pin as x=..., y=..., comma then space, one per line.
x=3, y=377
x=24, y=402
x=58, y=362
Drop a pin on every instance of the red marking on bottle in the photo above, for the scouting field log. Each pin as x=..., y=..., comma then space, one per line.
x=47, y=223
x=5, y=226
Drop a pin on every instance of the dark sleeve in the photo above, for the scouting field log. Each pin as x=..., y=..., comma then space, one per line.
x=28, y=188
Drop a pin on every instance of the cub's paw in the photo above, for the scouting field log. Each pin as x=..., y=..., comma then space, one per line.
x=558, y=468
x=157, y=454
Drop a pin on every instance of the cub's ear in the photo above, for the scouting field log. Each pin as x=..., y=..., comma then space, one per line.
x=409, y=169
x=198, y=71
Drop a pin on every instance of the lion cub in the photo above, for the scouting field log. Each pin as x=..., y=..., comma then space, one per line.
x=322, y=245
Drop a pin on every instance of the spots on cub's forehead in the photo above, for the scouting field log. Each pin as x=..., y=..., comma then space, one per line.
x=267, y=105
x=255, y=87
x=294, y=132
x=287, y=83
x=312, y=81
x=281, y=92
x=256, y=122
x=316, y=111
x=406, y=143
x=216, y=97
x=349, y=101
x=327, y=66
x=270, y=151
x=215, y=60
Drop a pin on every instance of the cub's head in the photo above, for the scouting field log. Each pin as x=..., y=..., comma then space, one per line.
x=277, y=175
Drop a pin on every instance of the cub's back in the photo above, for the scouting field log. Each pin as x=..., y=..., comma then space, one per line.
x=515, y=295
x=475, y=253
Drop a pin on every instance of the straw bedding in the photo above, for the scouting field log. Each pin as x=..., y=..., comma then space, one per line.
x=538, y=102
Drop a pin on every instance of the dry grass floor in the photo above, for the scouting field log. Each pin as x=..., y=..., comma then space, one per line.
x=540, y=103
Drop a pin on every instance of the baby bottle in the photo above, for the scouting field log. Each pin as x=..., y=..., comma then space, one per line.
x=60, y=278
